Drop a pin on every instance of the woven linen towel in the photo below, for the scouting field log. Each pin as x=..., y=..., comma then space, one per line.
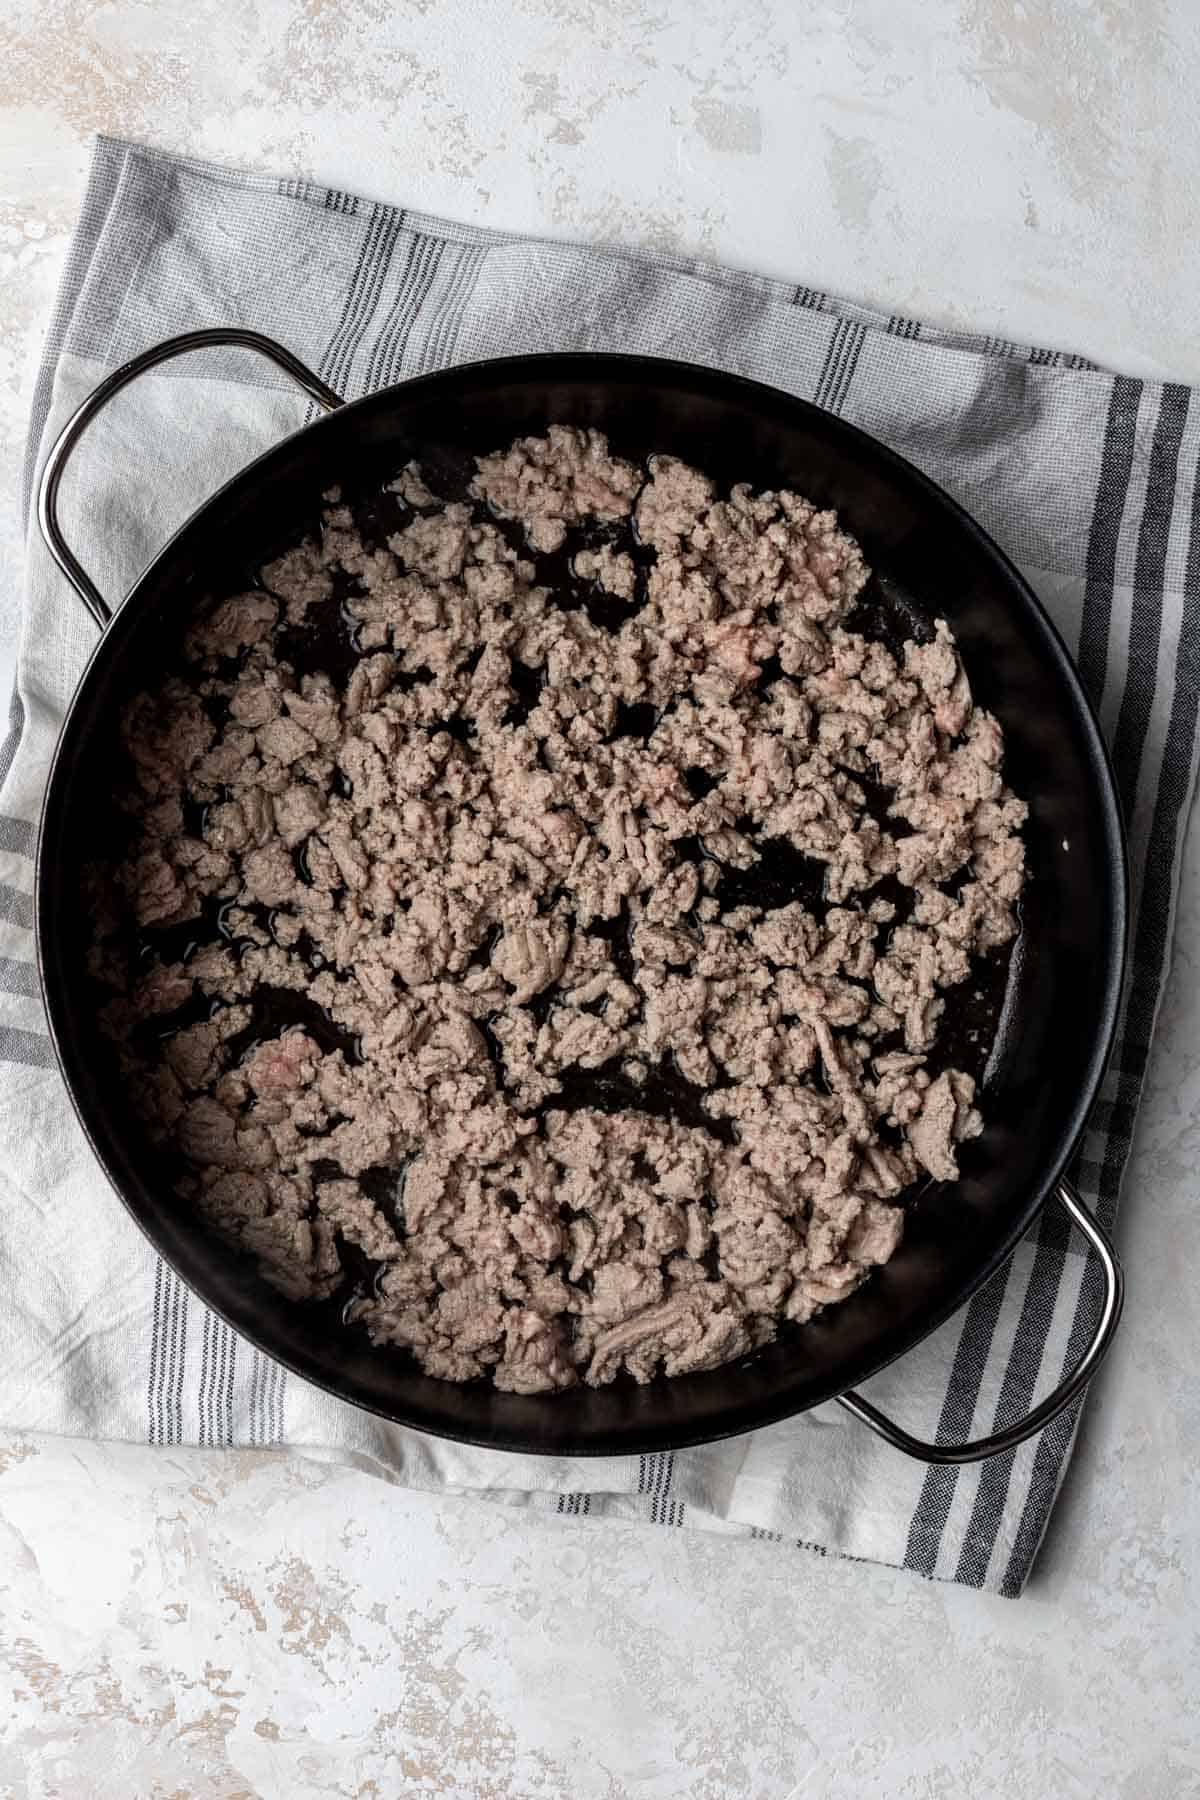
x=1089, y=482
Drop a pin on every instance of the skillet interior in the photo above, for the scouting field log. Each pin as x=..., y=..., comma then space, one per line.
x=1064, y=977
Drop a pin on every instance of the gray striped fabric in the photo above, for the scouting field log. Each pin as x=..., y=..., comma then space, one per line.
x=1087, y=479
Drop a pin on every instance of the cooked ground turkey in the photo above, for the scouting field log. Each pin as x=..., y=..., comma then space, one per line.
x=485, y=990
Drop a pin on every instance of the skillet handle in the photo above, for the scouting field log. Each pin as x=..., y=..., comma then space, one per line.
x=1071, y=1386
x=77, y=424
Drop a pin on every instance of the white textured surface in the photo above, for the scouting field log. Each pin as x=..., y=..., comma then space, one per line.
x=194, y=1625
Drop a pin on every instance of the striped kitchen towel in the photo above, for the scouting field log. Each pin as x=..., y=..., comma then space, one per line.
x=1087, y=479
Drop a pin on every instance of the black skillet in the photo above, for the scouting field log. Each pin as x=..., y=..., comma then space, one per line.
x=1064, y=979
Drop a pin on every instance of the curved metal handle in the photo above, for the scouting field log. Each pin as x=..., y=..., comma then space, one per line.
x=77, y=424
x=1053, y=1404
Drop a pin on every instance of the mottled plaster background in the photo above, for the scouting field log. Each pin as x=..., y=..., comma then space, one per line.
x=196, y=1625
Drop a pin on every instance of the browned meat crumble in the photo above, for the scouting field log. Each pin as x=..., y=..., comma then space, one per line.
x=581, y=976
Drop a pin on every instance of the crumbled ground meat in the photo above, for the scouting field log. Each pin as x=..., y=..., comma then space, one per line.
x=490, y=989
